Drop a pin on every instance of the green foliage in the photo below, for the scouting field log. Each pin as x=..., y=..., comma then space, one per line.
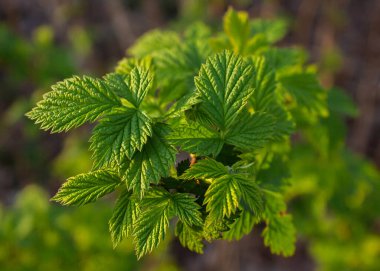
x=245, y=36
x=206, y=169
x=236, y=26
x=123, y=217
x=150, y=164
x=187, y=210
x=227, y=190
x=189, y=237
x=119, y=135
x=223, y=84
x=37, y=235
x=226, y=193
x=306, y=92
x=242, y=225
x=134, y=86
x=73, y=102
x=151, y=226
x=279, y=233
x=265, y=85
x=272, y=30
x=227, y=104
x=338, y=220
x=87, y=187
x=153, y=42
x=252, y=132
x=196, y=139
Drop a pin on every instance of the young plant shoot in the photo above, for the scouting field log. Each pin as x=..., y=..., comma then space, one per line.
x=194, y=128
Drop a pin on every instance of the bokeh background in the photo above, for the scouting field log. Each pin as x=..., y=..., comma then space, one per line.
x=44, y=41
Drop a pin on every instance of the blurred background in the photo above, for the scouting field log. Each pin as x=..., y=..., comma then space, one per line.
x=44, y=41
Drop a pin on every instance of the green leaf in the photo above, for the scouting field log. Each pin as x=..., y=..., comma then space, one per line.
x=279, y=235
x=123, y=218
x=306, y=92
x=196, y=139
x=274, y=173
x=228, y=192
x=155, y=196
x=133, y=86
x=256, y=45
x=242, y=225
x=87, y=187
x=195, y=116
x=264, y=98
x=220, y=42
x=341, y=103
x=73, y=102
x=187, y=209
x=150, y=229
x=184, y=103
x=272, y=30
x=265, y=85
x=176, y=67
x=151, y=163
x=126, y=65
x=205, y=169
x=213, y=229
x=181, y=62
x=222, y=197
x=282, y=59
x=189, y=237
x=252, y=131
x=152, y=223
x=153, y=42
x=236, y=26
x=284, y=124
x=197, y=31
x=246, y=37
x=119, y=135
x=224, y=87
x=251, y=195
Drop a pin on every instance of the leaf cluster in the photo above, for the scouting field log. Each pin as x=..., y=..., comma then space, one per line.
x=187, y=128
